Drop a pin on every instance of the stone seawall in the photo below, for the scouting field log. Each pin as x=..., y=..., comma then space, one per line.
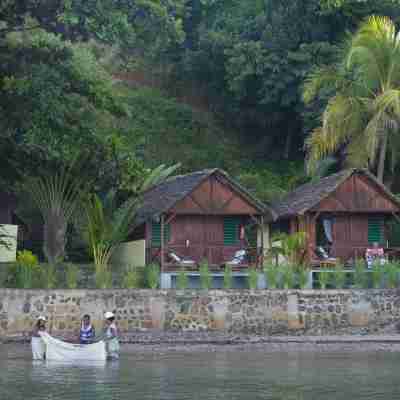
x=229, y=312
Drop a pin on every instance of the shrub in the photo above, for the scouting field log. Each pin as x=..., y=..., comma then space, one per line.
x=71, y=276
x=24, y=272
x=182, y=280
x=252, y=278
x=103, y=276
x=48, y=277
x=287, y=276
x=228, y=278
x=340, y=276
x=130, y=279
x=391, y=272
x=360, y=275
x=205, y=276
x=153, y=276
x=272, y=274
x=377, y=275
x=324, y=278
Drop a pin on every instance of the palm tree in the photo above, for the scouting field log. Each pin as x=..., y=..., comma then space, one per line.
x=106, y=224
x=363, y=114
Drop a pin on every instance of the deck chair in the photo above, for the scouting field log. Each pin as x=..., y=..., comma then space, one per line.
x=180, y=260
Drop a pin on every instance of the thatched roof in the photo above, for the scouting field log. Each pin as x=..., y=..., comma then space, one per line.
x=307, y=196
x=164, y=196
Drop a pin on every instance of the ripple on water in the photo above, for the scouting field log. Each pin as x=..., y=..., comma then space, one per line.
x=189, y=376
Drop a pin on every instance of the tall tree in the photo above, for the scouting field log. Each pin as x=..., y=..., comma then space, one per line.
x=363, y=113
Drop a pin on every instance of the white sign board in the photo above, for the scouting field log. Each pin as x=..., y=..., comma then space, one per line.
x=8, y=252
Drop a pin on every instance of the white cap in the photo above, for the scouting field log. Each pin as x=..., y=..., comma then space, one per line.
x=108, y=315
x=41, y=318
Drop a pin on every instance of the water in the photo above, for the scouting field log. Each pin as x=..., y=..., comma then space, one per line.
x=199, y=375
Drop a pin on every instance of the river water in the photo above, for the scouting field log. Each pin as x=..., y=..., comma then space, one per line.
x=204, y=375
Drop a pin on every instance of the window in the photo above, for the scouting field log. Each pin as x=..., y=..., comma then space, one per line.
x=231, y=230
x=156, y=233
x=375, y=230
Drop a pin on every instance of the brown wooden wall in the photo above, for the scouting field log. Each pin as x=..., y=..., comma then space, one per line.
x=214, y=196
x=358, y=194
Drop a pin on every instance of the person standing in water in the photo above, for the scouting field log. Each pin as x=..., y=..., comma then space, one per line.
x=111, y=336
x=87, y=332
x=38, y=346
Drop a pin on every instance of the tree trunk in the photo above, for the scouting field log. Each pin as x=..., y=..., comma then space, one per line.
x=382, y=157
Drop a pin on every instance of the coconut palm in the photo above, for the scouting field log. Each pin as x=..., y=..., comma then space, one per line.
x=363, y=113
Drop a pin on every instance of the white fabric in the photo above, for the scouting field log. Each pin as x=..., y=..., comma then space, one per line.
x=108, y=315
x=38, y=348
x=113, y=344
x=57, y=350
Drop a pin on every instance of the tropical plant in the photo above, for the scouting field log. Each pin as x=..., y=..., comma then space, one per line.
x=182, y=280
x=130, y=279
x=340, y=276
x=363, y=113
x=56, y=196
x=72, y=276
x=392, y=275
x=25, y=271
x=205, y=275
x=48, y=276
x=292, y=246
x=377, y=275
x=271, y=272
x=324, y=278
x=287, y=274
x=3, y=238
x=153, y=276
x=360, y=274
x=252, y=278
x=302, y=276
x=228, y=278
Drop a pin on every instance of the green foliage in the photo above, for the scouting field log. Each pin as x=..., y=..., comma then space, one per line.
x=205, y=275
x=340, y=276
x=360, y=274
x=48, y=276
x=324, y=278
x=288, y=276
x=182, y=280
x=392, y=275
x=302, y=276
x=103, y=276
x=72, y=276
x=252, y=278
x=292, y=246
x=228, y=278
x=377, y=275
x=153, y=276
x=130, y=278
x=271, y=272
x=24, y=272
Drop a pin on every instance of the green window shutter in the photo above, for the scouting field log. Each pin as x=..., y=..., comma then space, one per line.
x=375, y=230
x=231, y=230
x=156, y=233
x=251, y=235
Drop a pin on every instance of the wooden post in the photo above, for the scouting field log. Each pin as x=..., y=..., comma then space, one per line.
x=162, y=244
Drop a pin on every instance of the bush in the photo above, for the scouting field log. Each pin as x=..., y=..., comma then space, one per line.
x=228, y=278
x=24, y=273
x=272, y=274
x=377, y=275
x=103, y=276
x=205, y=276
x=324, y=278
x=153, y=276
x=48, y=277
x=340, y=276
x=360, y=275
x=287, y=276
x=302, y=276
x=71, y=276
x=391, y=272
x=252, y=278
x=130, y=279
x=182, y=280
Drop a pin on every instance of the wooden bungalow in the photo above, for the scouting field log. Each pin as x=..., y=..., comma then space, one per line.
x=202, y=215
x=344, y=213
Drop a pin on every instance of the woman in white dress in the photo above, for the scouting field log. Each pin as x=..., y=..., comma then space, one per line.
x=38, y=346
x=111, y=336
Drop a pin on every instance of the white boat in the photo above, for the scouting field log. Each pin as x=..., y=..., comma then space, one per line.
x=57, y=350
